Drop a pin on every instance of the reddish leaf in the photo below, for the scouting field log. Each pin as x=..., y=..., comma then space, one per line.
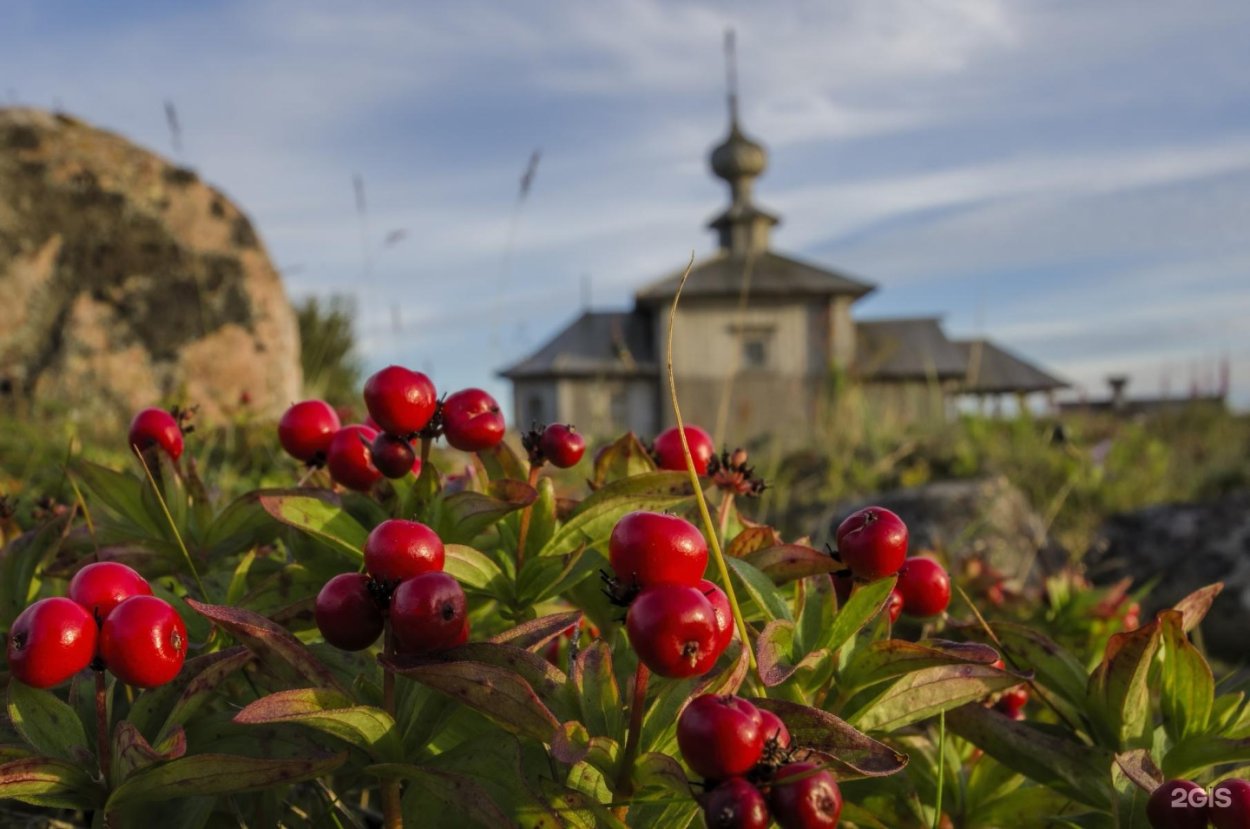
x=1197, y=604
x=787, y=562
x=623, y=458
x=1138, y=767
x=538, y=632
x=48, y=782
x=158, y=709
x=370, y=729
x=894, y=657
x=131, y=752
x=571, y=744
x=202, y=774
x=849, y=752
x=753, y=539
x=1119, y=696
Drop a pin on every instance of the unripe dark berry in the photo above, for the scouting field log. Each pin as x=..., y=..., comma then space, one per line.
x=925, y=586
x=144, y=642
x=1170, y=807
x=1230, y=804
x=393, y=456
x=156, y=427
x=672, y=628
x=669, y=455
x=735, y=804
x=805, y=796
x=720, y=736
x=562, y=445
x=306, y=429
x=397, y=549
x=774, y=729
x=347, y=615
x=872, y=542
x=103, y=585
x=400, y=401
x=472, y=420
x=350, y=460
x=724, y=612
x=428, y=613
x=653, y=548
x=50, y=641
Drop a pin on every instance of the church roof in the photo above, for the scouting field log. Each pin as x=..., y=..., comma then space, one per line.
x=596, y=344
x=906, y=349
x=772, y=275
x=992, y=370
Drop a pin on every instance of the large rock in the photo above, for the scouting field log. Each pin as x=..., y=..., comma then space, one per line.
x=127, y=281
x=1185, y=546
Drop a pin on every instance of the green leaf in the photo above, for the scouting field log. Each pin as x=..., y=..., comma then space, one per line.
x=1189, y=757
x=319, y=513
x=47, y=782
x=466, y=514
x=1055, y=670
x=459, y=798
x=547, y=681
x=20, y=560
x=592, y=522
x=865, y=603
x=543, y=577
x=1188, y=685
x=1137, y=766
x=850, y=753
x=660, y=771
x=776, y=653
x=626, y=457
x=50, y=726
x=122, y=494
x=372, y=730
x=500, y=461
x=157, y=710
x=817, y=609
x=761, y=590
x=597, y=691
x=1119, y=694
x=891, y=658
x=242, y=525
x=476, y=571
x=926, y=692
x=542, y=519
x=238, y=580
x=267, y=640
x=787, y=562
x=201, y=774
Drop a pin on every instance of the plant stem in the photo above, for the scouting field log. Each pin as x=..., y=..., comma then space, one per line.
x=392, y=803
x=722, y=518
x=426, y=443
x=941, y=769
x=535, y=468
x=624, y=777
x=173, y=526
x=103, y=749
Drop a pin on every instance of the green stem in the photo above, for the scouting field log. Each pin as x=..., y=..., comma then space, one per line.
x=186, y=554
x=941, y=769
x=722, y=519
x=392, y=801
x=624, y=777
x=526, y=513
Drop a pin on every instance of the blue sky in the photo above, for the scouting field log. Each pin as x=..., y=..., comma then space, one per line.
x=1069, y=178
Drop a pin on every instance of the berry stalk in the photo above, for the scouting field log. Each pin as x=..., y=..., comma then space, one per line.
x=103, y=750
x=392, y=803
x=708, y=526
x=624, y=777
x=535, y=468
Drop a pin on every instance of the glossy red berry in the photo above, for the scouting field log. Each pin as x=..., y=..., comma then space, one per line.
x=925, y=586
x=872, y=542
x=393, y=456
x=774, y=729
x=399, y=549
x=144, y=642
x=894, y=605
x=669, y=455
x=428, y=613
x=50, y=641
x=156, y=427
x=347, y=615
x=562, y=446
x=401, y=401
x=1012, y=702
x=306, y=429
x=720, y=736
x=472, y=420
x=724, y=613
x=805, y=796
x=735, y=804
x=1178, y=804
x=653, y=548
x=103, y=585
x=1230, y=804
x=350, y=460
x=672, y=628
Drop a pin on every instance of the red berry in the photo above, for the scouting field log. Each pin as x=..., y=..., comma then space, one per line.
x=156, y=427
x=872, y=542
x=1012, y=702
x=735, y=804
x=669, y=455
x=720, y=736
x=562, y=445
x=724, y=613
x=774, y=728
x=805, y=796
x=350, y=460
x=894, y=605
x=673, y=630
x=400, y=401
x=428, y=613
x=653, y=548
x=50, y=641
x=1230, y=804
x=925, y=586
x=1178, y=804
x=103, y=585
x=306, y=429
x=393, y=456
x=347, y=615
x=399, y=549
x=472, y=420
x=144, y=641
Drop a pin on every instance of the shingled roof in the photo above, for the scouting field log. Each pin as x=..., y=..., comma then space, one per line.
x=906, y=349
x=994, y=370
x=596, y=344
x=772, y=275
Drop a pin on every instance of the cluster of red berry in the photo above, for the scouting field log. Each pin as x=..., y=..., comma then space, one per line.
x=872, y=543
x=748, y=763
x=558, y=444
x=679, y=623
x=110, y=621
x=403, y=405
x=1183, y=804
x=404, y=583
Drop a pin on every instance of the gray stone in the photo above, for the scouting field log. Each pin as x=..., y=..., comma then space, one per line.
x=127, y=281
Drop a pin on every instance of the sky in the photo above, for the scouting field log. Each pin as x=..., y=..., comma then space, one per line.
x=1071, y=179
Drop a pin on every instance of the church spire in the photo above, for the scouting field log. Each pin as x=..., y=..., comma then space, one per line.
x=739, y=160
